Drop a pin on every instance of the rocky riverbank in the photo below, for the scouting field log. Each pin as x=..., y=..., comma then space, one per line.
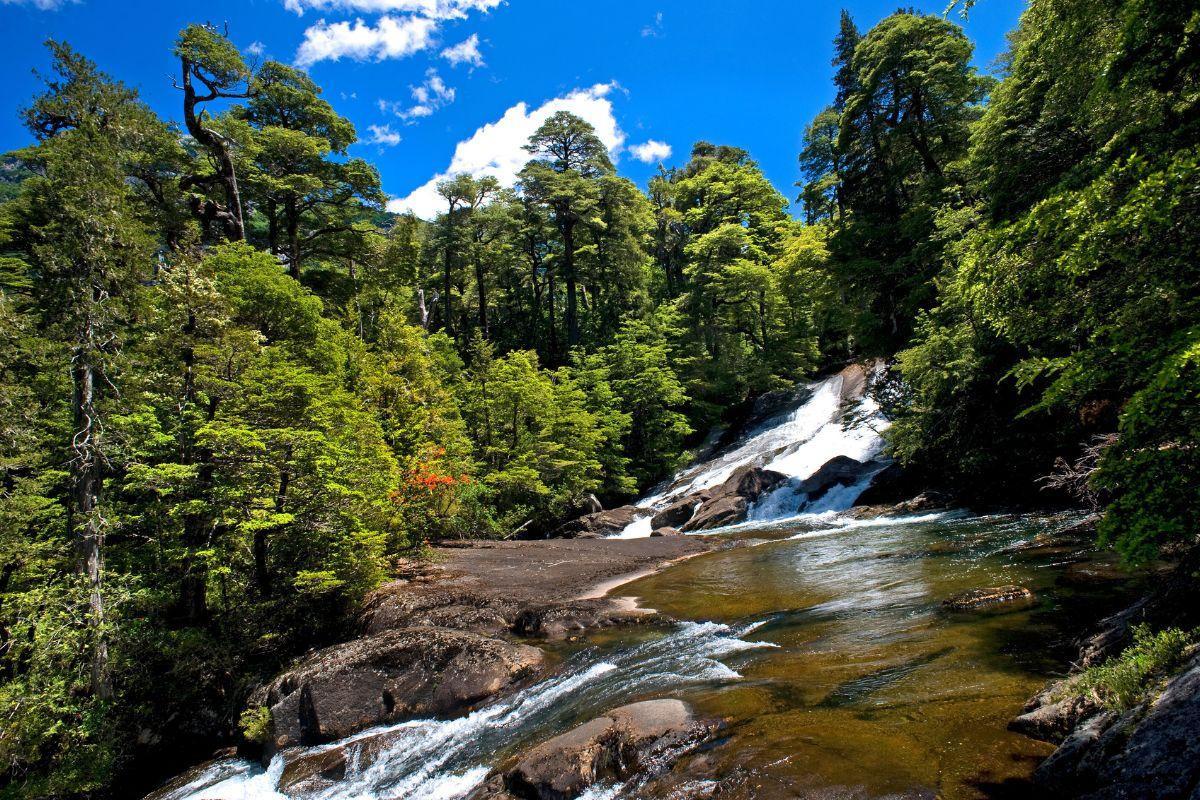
x=1147, y=751
x=454, y=633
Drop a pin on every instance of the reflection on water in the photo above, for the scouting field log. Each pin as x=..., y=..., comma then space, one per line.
x=874, y=688
x=821, y=642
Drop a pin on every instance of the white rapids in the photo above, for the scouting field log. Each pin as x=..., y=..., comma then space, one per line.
x=835, y=419
x=447, y=759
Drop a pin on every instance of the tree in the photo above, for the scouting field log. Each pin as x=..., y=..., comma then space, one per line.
x=569, y=157
x=212, y=69
x=300, y=180
x=88, y=247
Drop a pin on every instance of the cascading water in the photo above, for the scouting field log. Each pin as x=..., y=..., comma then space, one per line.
x=834, y=418
x=445, y=759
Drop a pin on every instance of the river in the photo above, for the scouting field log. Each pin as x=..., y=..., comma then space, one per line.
x=819, y=638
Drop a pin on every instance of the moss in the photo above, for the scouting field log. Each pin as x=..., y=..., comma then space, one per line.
x=1122, y=682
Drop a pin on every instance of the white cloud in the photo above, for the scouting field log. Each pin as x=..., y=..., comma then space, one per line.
x=256, y=48
x=382, y=135
x=650, y=151
x=432, y=9
x=41, y=5
x=656, y=28
x=465, y=52
x=496, y=149
x=391, y=37
x=429, y=97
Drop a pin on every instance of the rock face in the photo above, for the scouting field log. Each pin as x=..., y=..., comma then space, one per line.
x=1149, y=753
x=991, y=597
x=837, y=471
x=390, y=677
x=728, y=503
x=642, y=738
x=599, y=524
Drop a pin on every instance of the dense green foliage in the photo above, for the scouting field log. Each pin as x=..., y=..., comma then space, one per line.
x=1037, y=237
x=234, y=390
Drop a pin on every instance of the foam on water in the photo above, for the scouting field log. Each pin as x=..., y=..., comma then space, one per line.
x=447, y=759
x=796, y=444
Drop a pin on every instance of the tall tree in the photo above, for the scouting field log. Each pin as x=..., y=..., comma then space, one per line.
x=212, y=69
x=568, y=158
x=89, y=248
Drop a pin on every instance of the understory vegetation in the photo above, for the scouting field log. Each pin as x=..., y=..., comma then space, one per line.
x=234, y=389
x=1122, y=682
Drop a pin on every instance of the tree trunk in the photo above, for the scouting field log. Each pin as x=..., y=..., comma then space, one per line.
x=481, y=287
x=235, y=227
x=86, y=524
x=293, y=237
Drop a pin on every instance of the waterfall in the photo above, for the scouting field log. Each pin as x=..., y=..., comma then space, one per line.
x=829, y=418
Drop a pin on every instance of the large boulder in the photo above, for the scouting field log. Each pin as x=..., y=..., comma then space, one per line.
x=729, y=503
x=837, y=471
x=638, y=738
x=390, y=677
x=1150, y=752
x=680, y=511
x=599, y=524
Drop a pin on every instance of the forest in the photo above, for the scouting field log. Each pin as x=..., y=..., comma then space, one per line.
x=235, y=392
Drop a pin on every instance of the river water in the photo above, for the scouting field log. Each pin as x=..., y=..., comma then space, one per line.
x=818, y=638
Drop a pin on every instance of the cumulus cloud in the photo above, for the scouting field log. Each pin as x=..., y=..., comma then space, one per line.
x=428, y=98
x=382, y=135
x=433, y=9
x=256, y=48
x=41, y=5
x=496, y=148
x=465, y=52
x=650, y=151
x=391, y=37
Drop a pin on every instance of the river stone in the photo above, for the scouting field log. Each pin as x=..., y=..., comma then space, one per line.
x=660, y=532
x=837, y=471
x=679, y=512
x=994, y=596
x=391, y=677
x=632, y=739
x=729, y=503
x=599, y=524
x=307, y=772
x=1053, y=714
x=560, y=620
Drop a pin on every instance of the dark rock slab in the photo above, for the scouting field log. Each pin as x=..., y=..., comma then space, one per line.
x=599, y=524
x=729, y=503
x=390, y=677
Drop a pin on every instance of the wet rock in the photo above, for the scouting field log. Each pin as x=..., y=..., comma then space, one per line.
x=560, y=620
x=599, y=524
x=680, y=512
x=991, y=597
x=640, y=738
x=729, y=503
x=1053, y=714
x=837, y=471
x=665, y=532
x=926, y=501
x=890, y=486
x=307, y=772
x=718, y=513
x=390, y=677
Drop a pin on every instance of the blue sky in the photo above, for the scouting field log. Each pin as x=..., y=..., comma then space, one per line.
x=436, y=86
